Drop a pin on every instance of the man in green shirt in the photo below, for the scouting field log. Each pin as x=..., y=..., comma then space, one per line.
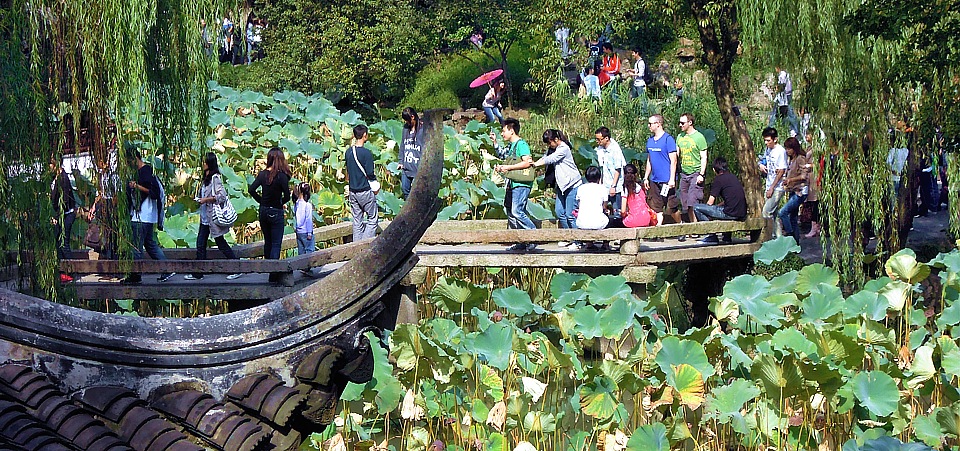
x=517, y=193
x=693, y=164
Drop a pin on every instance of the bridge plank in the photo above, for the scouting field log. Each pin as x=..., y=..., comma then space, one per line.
x=450, y=256
x=680, y=255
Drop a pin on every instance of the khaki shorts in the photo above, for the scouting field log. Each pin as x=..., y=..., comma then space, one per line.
x=690, y=192
x=658, y=202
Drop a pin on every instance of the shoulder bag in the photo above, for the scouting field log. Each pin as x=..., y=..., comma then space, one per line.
x=223, y=215
x=374, y=184
x=526, y=175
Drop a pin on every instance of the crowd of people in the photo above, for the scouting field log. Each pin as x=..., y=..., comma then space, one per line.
x=613, y=193
x=233, y=44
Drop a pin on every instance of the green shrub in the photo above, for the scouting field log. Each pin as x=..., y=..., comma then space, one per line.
x=252, y=77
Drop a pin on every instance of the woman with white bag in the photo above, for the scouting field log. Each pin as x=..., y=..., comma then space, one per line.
x=216, y=214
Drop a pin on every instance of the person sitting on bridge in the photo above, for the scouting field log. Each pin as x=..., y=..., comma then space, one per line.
x=725, y=186
x=592, y=198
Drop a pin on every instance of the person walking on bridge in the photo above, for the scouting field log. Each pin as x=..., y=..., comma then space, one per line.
x=274, y=184
x=518, y=192
x=212, y=192
x=363, y=186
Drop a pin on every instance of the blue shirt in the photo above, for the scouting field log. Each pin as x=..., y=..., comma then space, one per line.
x=658, y=153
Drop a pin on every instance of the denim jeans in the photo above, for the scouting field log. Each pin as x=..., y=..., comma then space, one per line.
x=271, y=222
x=145, y=237
x=706, y=212
x=406, y=182
x=790, y=215
x=64, y=229
x=564, y=207
x=515, y=204
x=305, y=245
x=791, y=116
x=616, y=201
x=493, y=113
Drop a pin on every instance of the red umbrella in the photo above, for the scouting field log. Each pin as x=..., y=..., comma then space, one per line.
x=486, y=78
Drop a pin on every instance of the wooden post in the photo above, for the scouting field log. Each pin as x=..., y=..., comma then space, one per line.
x=409, y=310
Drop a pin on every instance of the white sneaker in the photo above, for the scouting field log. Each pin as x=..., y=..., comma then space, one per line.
x=563, y=243
x=234, y=276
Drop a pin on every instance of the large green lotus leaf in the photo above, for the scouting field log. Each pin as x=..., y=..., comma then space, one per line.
x=841, y=347
x=329, y=200
x=490, y=382
x=568, y=299
x=776, y=250
x=949, y=419
x=219, y=105
x=291, y=146
x=390, y=202
x=495, y=442
x=443, y=330
x=539, y=422
x=319, y=110
x=587, y=321
x=824, y=302
x=927, y=429
x=918, y=337
x=675, y=352
x=921, y=369
x=780, y=379
x=388, y=390
x=876, y=334
x=761, y=312
x=688, y=383
x=904, y=266
x=950, y=356
x=725, y=309
x=812, y=275
x=949, y=317
x=649, y=437
x=516, y=301
x=615, y=318
x=495, y=344
x=746, y=287
x=405, y=346
x=456, y=296
x=876, y=391
x=452, y=212
x=338, y=129
x=791, y=340
x=737, y=356
x=565, y=282
x=251, y=97
x=866, y=303
x=298, y=131
x=539, y=212
x=218, y=118
x=784, y=283
x=725, y=402
x=622, y=373
x=598, y=398
x=770, y=419
x=494, y=192
x=897, y=293
x=605, y=289
x=278, y=113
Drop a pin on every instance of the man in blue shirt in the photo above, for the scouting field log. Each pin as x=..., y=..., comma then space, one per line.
x=659, y=178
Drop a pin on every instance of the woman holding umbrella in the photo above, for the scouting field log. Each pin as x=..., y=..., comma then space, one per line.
x=491, y=101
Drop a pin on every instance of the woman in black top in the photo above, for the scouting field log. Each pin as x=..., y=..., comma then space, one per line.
x=275, y=183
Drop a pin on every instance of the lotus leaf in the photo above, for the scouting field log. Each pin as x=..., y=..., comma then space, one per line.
x=869, y=304
x=539, y=422
x=791, y=340
x=516, y=301
x=760, y=311
x=675, y=352
x=649, y=437
x=456, y=296
x=784, y=283
x=780, y=379
x=897, y=294
x=737, y=356
x=598, y=398
x=927, y=429
x=388, y=389
x=886, y=443
x=605, y=289
x=922, y=368
x=491, y=382
x=812, y=275
x=904, y=266
x=279, y=113
x=725, y=403
x=419, y=439
x=950, y=356
x=495, y=344
x=587, y=321
x=725, y=309
x=688, y=383
x=218, y=118
x=949, y=317
x=565, y=282
x=776, y=250
x=615, y=318
x=824, y=302
x=405, y=346
x=876, y=391
x=876, y=334
x=452, y=212
x=539, y=212
x=918, y=338
x=571, y=298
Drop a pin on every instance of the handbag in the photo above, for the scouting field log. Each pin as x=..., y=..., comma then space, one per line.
x=526, y=175
x=223, y=215
x=374, y=184
x=93, y=238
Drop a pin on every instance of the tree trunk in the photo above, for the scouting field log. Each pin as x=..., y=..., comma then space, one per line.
x=720, y=37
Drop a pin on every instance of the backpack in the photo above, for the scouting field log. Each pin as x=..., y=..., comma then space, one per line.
x=647, y=74
x=161, y=201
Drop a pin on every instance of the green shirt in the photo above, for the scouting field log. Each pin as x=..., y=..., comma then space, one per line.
x=690, y=146
x=520, y=149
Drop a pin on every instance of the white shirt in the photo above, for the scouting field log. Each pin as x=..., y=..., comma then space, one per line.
x=590, y=200
x=639, y=68
x=776, y=159
x=610, y=158
x=148, y=211
x=784, y=79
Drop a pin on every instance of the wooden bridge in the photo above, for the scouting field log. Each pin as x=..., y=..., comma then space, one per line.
x=636, y=255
